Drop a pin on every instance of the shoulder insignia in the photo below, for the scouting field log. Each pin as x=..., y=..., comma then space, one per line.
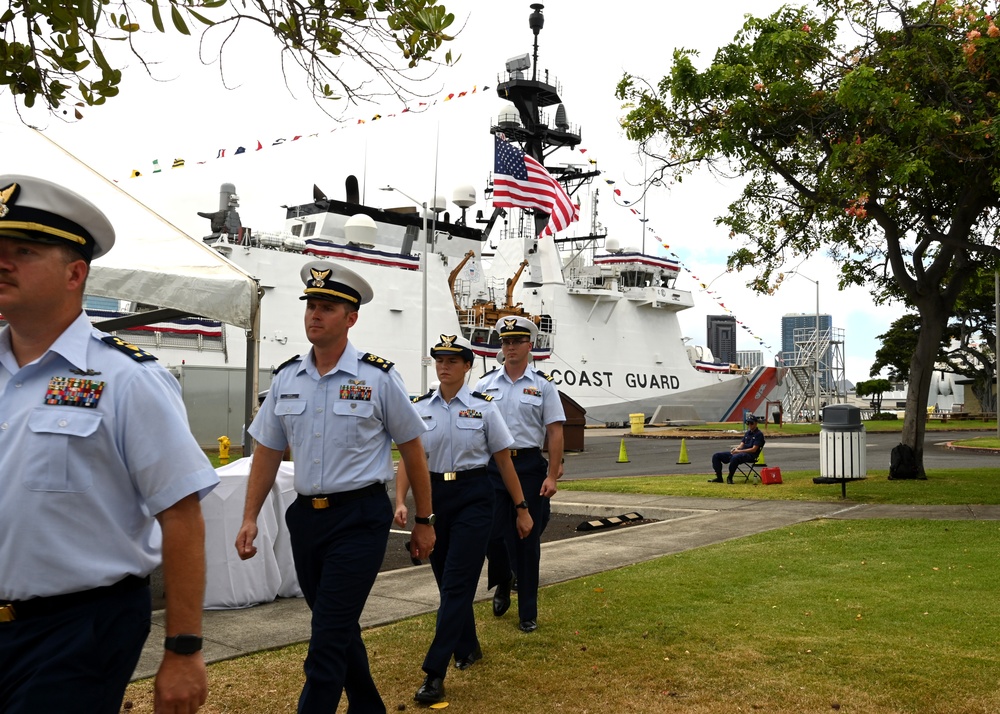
x=284, y=364
x=422, y=397
x=548, y=377
x=492, y=371
x=131, y=350
x=376, y=361
x=484, y=397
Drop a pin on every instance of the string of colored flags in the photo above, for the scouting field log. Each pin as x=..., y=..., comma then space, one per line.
x=257, y=145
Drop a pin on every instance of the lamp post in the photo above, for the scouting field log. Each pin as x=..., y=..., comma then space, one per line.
x=424, y=357
x=816, y=356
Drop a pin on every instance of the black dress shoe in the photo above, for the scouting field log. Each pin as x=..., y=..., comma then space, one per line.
x=717, y=479
x=469, y=659
x=528, y=625
x=729, y=480
x=431, y=691
x=501, y=598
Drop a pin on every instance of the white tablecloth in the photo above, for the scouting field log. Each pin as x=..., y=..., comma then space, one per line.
x=233, y=583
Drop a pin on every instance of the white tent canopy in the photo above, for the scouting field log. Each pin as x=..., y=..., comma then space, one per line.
x=152, y=261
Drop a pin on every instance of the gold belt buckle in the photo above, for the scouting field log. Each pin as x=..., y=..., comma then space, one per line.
x=7, y=613
x=450, y=476
x=513, y=452
x=321, y=503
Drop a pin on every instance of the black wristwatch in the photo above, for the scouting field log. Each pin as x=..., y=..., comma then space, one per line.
x=522, y=504
x=183, y=644
x=428, y=521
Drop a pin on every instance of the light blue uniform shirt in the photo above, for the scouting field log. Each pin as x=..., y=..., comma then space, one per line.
x=81, y=480
x=340, y=425
x=462, y=434
x=527, y=405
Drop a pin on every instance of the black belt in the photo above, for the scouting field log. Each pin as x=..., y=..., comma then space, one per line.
x=525, y=452
x=21, y=609
x=319, y=501
x=455, y=475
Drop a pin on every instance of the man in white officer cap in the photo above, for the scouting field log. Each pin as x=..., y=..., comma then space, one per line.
x=340, y=410
x=531, y=407
x=95, y=449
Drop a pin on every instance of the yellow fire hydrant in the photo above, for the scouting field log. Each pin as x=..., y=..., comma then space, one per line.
x=223, y=449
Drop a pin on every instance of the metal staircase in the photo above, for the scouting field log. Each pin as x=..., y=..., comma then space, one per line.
x=816, y=351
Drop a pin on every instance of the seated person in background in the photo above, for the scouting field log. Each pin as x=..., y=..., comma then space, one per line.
x=747, y=451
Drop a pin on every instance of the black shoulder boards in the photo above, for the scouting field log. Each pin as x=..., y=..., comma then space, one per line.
x=131, y=350
x=383, y=364
x=547, y=377
x=284, y=364
x=422, y=397
x=484, y=397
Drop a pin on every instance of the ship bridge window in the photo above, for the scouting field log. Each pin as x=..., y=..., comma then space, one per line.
x=297, y=230
x=310, y=229
x=667, y=280
x=635, y=279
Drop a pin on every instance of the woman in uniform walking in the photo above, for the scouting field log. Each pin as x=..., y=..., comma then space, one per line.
x=464, y=430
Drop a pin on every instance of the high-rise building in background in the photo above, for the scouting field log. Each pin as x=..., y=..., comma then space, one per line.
x=722, y=337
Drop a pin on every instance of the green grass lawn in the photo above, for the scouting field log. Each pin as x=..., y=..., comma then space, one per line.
x=877, y=617
x=871, y=616
x=942, y=487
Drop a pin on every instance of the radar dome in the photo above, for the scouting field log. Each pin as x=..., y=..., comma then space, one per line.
x=612, y=245
x=464, y=196
x=509, y=118
x=360, y=228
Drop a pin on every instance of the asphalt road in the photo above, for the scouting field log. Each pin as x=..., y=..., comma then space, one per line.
x=656, y=456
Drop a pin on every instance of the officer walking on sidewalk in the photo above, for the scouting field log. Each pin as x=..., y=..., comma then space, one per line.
x=464, y=430
x=340, y=410
x=532, y=410
x=95, y=450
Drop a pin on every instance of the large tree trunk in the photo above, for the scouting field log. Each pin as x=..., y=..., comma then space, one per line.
x=933, y=318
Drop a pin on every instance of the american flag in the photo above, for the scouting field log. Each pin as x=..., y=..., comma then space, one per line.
x=521, y=182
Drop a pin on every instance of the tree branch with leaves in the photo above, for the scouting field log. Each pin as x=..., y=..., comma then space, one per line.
x=55, y=50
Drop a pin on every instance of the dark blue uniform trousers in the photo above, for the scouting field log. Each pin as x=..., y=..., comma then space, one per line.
x=338, y=552
x=506, y=552
x=734, y=460
x=464, y=511
x=76, y=660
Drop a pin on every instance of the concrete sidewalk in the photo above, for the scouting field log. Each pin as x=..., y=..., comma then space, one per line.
x=682, y=524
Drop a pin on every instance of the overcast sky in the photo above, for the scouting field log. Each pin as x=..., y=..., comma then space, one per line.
x=586, y=46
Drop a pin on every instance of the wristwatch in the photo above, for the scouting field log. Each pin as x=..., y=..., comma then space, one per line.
x=426, y=521
x=183, y=644
x=522, y=504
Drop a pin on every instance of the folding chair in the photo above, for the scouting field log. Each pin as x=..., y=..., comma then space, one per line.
x=749, y=468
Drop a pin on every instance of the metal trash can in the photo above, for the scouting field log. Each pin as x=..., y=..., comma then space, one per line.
x=842, y=443
x=638, y=422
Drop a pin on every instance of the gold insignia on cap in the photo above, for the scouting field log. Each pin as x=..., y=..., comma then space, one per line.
x=319, y=276
x=448, y=340
x=510, y=322
x=6, y=195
